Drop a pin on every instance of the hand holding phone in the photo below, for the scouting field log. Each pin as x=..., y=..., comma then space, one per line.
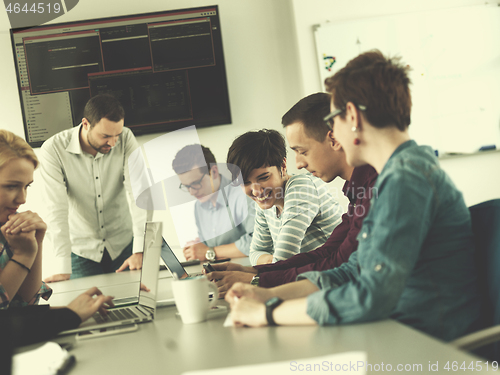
x=208, y=267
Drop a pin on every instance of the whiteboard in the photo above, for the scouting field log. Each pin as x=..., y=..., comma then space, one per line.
x=454, y=55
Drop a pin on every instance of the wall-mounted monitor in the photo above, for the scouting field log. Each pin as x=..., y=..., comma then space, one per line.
x=167, y=69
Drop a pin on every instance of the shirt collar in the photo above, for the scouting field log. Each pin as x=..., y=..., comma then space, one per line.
x=403, y=146
x=359, y=182
x=75, y=147
x=74, y=143
x=220, y=197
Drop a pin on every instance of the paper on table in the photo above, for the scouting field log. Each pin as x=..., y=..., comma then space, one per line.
x=352, y=362
x=228, y=322
x=44, y=360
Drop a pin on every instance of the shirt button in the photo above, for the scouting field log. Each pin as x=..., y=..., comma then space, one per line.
x=102, y=226
x=100, y=212
x=364, y=235
x=98, y=196
x=103, y=240
x=378, y=267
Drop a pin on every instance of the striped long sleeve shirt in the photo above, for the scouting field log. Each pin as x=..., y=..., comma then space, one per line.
x=309, y=216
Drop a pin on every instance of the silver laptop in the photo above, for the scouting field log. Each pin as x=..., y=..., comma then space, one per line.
x=166, y=297
x=172, y=262
x=145, y=308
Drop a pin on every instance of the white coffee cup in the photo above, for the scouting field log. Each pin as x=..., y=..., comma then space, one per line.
x=191, y=298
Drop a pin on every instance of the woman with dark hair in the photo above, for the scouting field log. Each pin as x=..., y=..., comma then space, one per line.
x=414, y=261
x=294, y=214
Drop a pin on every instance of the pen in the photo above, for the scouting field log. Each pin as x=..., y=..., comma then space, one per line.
x=488, y=148
x=68, y=363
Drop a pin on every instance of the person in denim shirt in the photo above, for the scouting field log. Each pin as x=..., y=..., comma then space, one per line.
x=415, y=256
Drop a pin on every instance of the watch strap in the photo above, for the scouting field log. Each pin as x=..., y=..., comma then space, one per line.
x=271, y=304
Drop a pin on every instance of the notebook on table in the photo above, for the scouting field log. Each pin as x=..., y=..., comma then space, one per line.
x=145, y=308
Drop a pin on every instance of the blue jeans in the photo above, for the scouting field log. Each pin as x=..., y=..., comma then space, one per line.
x=81, y=267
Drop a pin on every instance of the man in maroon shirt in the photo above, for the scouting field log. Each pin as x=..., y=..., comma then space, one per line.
x=317, y=151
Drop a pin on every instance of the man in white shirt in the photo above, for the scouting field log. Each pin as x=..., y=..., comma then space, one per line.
x=84, y=170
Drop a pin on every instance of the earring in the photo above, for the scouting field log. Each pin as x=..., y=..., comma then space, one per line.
x=354, y=129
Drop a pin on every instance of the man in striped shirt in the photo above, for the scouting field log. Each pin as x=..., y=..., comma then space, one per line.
x=317, y=151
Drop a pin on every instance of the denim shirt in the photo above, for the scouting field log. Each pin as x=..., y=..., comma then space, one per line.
x=415, y=257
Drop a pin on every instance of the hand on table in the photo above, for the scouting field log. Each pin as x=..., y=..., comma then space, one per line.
x=195, y=251
x=134, y=262
x=248, y=312
x=192, y=242
x=57, y=277
x=225, y=279
x=240, y=290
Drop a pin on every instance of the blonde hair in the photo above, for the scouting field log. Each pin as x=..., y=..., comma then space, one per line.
x=13, y=146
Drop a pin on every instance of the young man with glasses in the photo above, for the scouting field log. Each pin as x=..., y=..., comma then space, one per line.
x=224, y=215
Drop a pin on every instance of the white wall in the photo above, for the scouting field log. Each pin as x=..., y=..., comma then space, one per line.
x=258, y=44
x=477, y=176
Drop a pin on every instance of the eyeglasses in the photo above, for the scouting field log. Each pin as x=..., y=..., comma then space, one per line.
x=329, y=118
x=195, y=185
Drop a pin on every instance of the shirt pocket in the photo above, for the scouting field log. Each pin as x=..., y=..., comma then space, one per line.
x=365, y=231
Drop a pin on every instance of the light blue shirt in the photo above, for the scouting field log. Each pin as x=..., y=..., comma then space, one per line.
x=415, y=258
x=230, y=220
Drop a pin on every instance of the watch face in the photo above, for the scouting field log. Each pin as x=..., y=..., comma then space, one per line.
x=210, y=255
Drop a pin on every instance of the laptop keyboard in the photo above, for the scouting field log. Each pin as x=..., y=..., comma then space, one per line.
x=115, y=315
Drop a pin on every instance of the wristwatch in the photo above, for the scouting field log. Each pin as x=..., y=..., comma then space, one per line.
x=210, y=254
x=271, y=304
x=255, y=280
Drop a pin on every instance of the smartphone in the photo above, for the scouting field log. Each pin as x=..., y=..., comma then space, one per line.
x=208, y=267
x=221, y=260
x=108, y=331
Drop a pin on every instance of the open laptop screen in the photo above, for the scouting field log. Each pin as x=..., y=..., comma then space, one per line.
x=150, y=264
x=171, y=261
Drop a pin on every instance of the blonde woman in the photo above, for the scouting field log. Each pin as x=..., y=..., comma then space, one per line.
x=21, y=237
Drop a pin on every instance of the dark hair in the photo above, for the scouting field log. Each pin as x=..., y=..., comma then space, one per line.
x=310, y=111
x=256, y=149
x=380, y=84
x=190, y=157
x=103, y=106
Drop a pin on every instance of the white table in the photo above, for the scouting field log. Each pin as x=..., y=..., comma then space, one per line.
x=166, y=346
